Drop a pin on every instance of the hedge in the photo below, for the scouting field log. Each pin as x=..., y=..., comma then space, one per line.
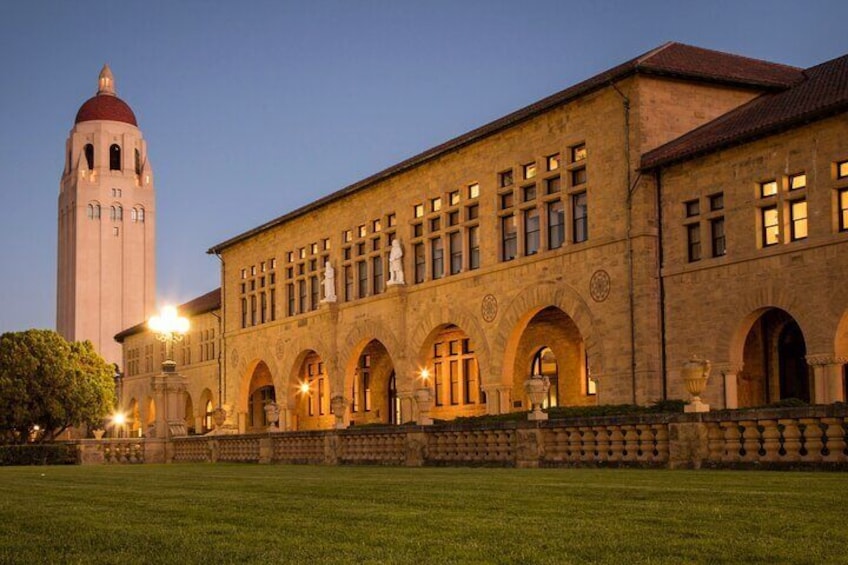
x=39, y=454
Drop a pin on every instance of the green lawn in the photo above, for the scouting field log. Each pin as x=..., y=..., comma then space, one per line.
x=303, y=514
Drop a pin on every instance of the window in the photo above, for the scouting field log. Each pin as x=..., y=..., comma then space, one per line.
x=453, y=218
x=578, y=153
x=290, y=309
x=377, y=274
x=798, y=220
x=473, y=190
x=552, y=185
x=114, y=157
x=348, y=282
x=544, y=363
x=509, y=236
x=244, y=312
x=693, y=242
x=391, y=219
x=362, y=272
x=420, y=262
x=314, y=292
x=693, y=208
x=438, y=384
x=137, y=162
x=437, y=258
x=360, y=231
x=717, y=202
x=263, y=307
x=474, y=247
x=435, y=224
x=797, y=182
x=89, y=155
x=301, y=296
x=531, y=231
x=134, y=215
x=418, y=210
x=453, y=374
x=453, y=198
x=578, y=176
x=719, y=243
x=556, y=224
x=552, y=162
x=417, y=230
x=505, y=179
x=580, y=215
x=506, y=201
x=90, y=211
x=843, y=210
x=376, y=226
x=842, y=170
x=253, y=310
x=528, y=170
x=435, y=204
x=528, y=193
x=347, y=237
x=771, y=231
x=768, y=188
x=472, y=212
x=455, y=244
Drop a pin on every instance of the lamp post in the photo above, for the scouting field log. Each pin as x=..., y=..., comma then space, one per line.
x=168, y=328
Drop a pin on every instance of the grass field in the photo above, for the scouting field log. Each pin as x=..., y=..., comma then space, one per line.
x=311, y=515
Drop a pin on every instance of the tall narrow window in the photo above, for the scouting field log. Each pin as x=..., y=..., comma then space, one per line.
x=114, y=157
x=244, y=312
x=717, y=236
x=89, y=155
x=438, y=383
x=580, y=214
x=290, y=308
x=141, y=215
x=556, y=224
x=453, y=368
x=771, y=227
x=531, y=231
x=693, y=242
x=509, y=236
x=469, y=382
x=134, y=215
x=314, y=292
x=97, y=211
x=843, y=210
x=263, y=307
x=362, y=275
x=301, y=298
x=455, y=243
x=545, y=364
x=253, y=310
x=473, y=248
x=437, y=258
x=273, y=306
x=348, y=278
x=91, y=211
x=798, y=220
x=377, y=274
x=420, y=263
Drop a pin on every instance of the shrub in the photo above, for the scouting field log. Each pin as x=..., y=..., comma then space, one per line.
x=38, y=454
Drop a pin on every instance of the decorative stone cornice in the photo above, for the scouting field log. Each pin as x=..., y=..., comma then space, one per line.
x=825, y=359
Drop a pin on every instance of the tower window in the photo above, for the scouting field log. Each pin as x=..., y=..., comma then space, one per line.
x=89, y=155
x=137, y=162
x=114, y=157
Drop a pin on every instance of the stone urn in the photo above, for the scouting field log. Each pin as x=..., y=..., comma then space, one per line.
x=219, y=416
x=272, y=415
x=424, y=401
x=536, y=388
x=338, y=406
x=696, y=372
x=98, y=434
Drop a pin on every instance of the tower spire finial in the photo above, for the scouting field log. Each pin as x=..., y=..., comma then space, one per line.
x=106, y=82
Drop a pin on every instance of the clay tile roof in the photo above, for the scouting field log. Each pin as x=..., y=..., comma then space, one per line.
x=200, y=305
x=672, y=59
x=105, y=107
x=823, y=93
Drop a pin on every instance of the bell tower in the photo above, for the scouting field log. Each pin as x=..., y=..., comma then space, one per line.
x=106, y=216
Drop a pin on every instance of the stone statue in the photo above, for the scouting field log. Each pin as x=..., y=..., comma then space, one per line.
x=329, y=283
x=396, y=264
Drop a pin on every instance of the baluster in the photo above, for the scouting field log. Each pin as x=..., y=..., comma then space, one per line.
x=661, y=442
x=732, y=442
x=770, y=449
x=631, y=443
x=616, y=443
x=812, y=439
x=834, y=447
x=791, y=440
x=750, y=434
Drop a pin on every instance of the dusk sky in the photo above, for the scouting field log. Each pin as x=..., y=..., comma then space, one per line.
x=251, y=109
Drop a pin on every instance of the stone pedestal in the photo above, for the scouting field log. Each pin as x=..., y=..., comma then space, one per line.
x=827, y=378
x=169, y=390
x=424, y=401
x=498, y=398
x=338, y=406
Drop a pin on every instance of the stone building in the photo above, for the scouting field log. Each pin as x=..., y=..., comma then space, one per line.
x=106, y=276
x=599, y=237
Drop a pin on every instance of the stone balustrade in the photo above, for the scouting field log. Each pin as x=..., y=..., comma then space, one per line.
x=810, y=437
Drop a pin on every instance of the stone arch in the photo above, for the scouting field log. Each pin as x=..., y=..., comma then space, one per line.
x=532, y=300
x=361, y=335
x=433, y=322
x=247, y=376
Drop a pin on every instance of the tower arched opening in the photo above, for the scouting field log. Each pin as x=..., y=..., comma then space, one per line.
x=115, y=157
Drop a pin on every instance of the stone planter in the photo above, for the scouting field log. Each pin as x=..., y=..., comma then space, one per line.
x=98, y=434
x=536, y=388
x=695, y=373
x=272, y=415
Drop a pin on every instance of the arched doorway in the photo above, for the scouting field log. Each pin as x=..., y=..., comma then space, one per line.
x=260, y=393
x=207, y=408
x=550, y=344
x=369, y=386
x=774, y=365
x=453, y=375
x=312, y=398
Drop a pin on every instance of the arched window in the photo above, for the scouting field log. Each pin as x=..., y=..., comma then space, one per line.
x=207, y=419
x=134, y=215
x=394, y=401
x=137, y=162
x=113, y=214
x=141, y=215
x=114, y=157
x=89, y=155
x=91, y=211
x=545, y=364
x=97, y=211
x=120, y=214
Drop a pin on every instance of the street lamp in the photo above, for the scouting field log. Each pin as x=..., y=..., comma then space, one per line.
x=168, y=328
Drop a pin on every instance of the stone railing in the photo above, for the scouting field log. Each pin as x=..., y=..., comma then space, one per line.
x=811, y=437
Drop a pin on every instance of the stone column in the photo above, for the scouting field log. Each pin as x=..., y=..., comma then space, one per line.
x=827, y=378
x=498, y=398
x=408, y=409
x=169, y=389
x=730, y=376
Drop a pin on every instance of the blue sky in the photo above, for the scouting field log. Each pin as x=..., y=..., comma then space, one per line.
x=253, y=108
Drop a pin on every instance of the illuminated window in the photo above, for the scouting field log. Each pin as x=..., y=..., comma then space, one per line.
x=505, y=178
x=797, y=182
x=578, y=153
x=842, y=170
x=418, y=210
x=768, y=188
x=376, y=226
x=347, y=236
x=360, y=231
x=473, y=190
x=437, y=258
x=531, y=231
x=719, y=242
x=843, y=210
x=453, y=198
x=391, y=219
x=556, y=224
x=552, y=162
x=529, y=170
x=435, y=204
x=798, y=220
x=580, y=218
x=771, y=227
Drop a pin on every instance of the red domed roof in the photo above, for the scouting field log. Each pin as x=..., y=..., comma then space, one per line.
x=106, y=107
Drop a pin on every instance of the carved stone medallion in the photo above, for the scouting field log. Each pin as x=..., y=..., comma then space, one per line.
x=234, y=357
x=599, y=286
x=489, y=307
x=280, y=349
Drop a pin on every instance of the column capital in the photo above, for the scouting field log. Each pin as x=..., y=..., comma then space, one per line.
x=824, y=359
